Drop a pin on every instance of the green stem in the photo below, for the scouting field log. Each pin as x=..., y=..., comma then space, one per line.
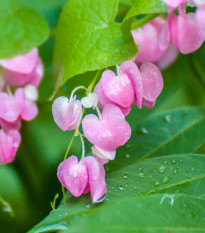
x=91, y=86
x=69, y=146
x=143, y=21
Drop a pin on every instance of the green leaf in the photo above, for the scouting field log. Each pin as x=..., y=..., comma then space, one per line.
x=178, y=131
x=140, y=7
x=154, y=213
x=20, y=29
x=89, y=39
x=148, y=176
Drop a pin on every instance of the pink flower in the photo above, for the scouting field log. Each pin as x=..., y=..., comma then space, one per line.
x=174, y=3
x=66, y=113
x=200, y=17
x=9, y=143
x=84, y=176
x=16, y=125
x=147, y=82
x=117, y=90
x=11, y=106
x=109, y=132
x=185, y=31
x=23, y=69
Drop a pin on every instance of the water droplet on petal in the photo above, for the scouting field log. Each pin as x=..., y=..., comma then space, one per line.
x=101, y=198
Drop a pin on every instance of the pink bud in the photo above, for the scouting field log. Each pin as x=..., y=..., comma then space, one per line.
x=66, y=113
x=30, y=110
x=9, y=143
x=107, y=133
x=11, y=106
x=73, y=175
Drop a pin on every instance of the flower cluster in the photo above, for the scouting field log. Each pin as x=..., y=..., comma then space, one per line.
x=136, y=82
x=115, y=95
x=160, y=40
x=20, y=75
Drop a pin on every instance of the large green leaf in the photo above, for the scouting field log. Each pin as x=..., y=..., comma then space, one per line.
x=21, y=29
x=89, y=39
x=181, y=130
x=148, y=176
x=150, y=214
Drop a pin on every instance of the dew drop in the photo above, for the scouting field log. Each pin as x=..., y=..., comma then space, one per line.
x=128, y=145
x=127, y=156
x=126, y=185
x=140, y=169
x=156, y=184
x=125, y=176
x=116, y=189
x=161, y=169
x=101, y=198
x=173, y=161
x=141, y=175
x=142, y=131
x=136, y=188
x=107, y=199
x=7, y=209
x=87, y=206
x=192, y=169
x=166, y=118
x=165, y=179
x=121, y=188
x=175, y=171
x=194, y=160
x=165, y=161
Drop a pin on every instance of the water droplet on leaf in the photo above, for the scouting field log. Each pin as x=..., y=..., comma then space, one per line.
x=125, y=176
x=156, y=184
x=142, y=131
x=161, y=169
x=121, y=188
x=87, y=206
x=173, y=161
x=165, y=179
x=166, y=118
x=141, y=174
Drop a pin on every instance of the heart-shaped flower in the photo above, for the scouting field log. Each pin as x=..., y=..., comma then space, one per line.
x=174, y=3
x=109, y=132
x=9, y=143
x=11, y=106
x=73, y=175
x=84, y=176
x=186, y=33
x=66, y=113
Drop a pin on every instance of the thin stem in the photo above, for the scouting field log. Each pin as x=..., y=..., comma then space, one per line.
x=91, y=86
x=77, y=88
x=69, y=146
x=99, y=113
x=83, y=146
x=143, y=21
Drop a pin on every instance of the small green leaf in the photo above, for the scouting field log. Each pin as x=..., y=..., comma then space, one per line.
x=89, y=39
x=146, y=177
x=155, y=213
x=140, y=7
x=20, y=29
